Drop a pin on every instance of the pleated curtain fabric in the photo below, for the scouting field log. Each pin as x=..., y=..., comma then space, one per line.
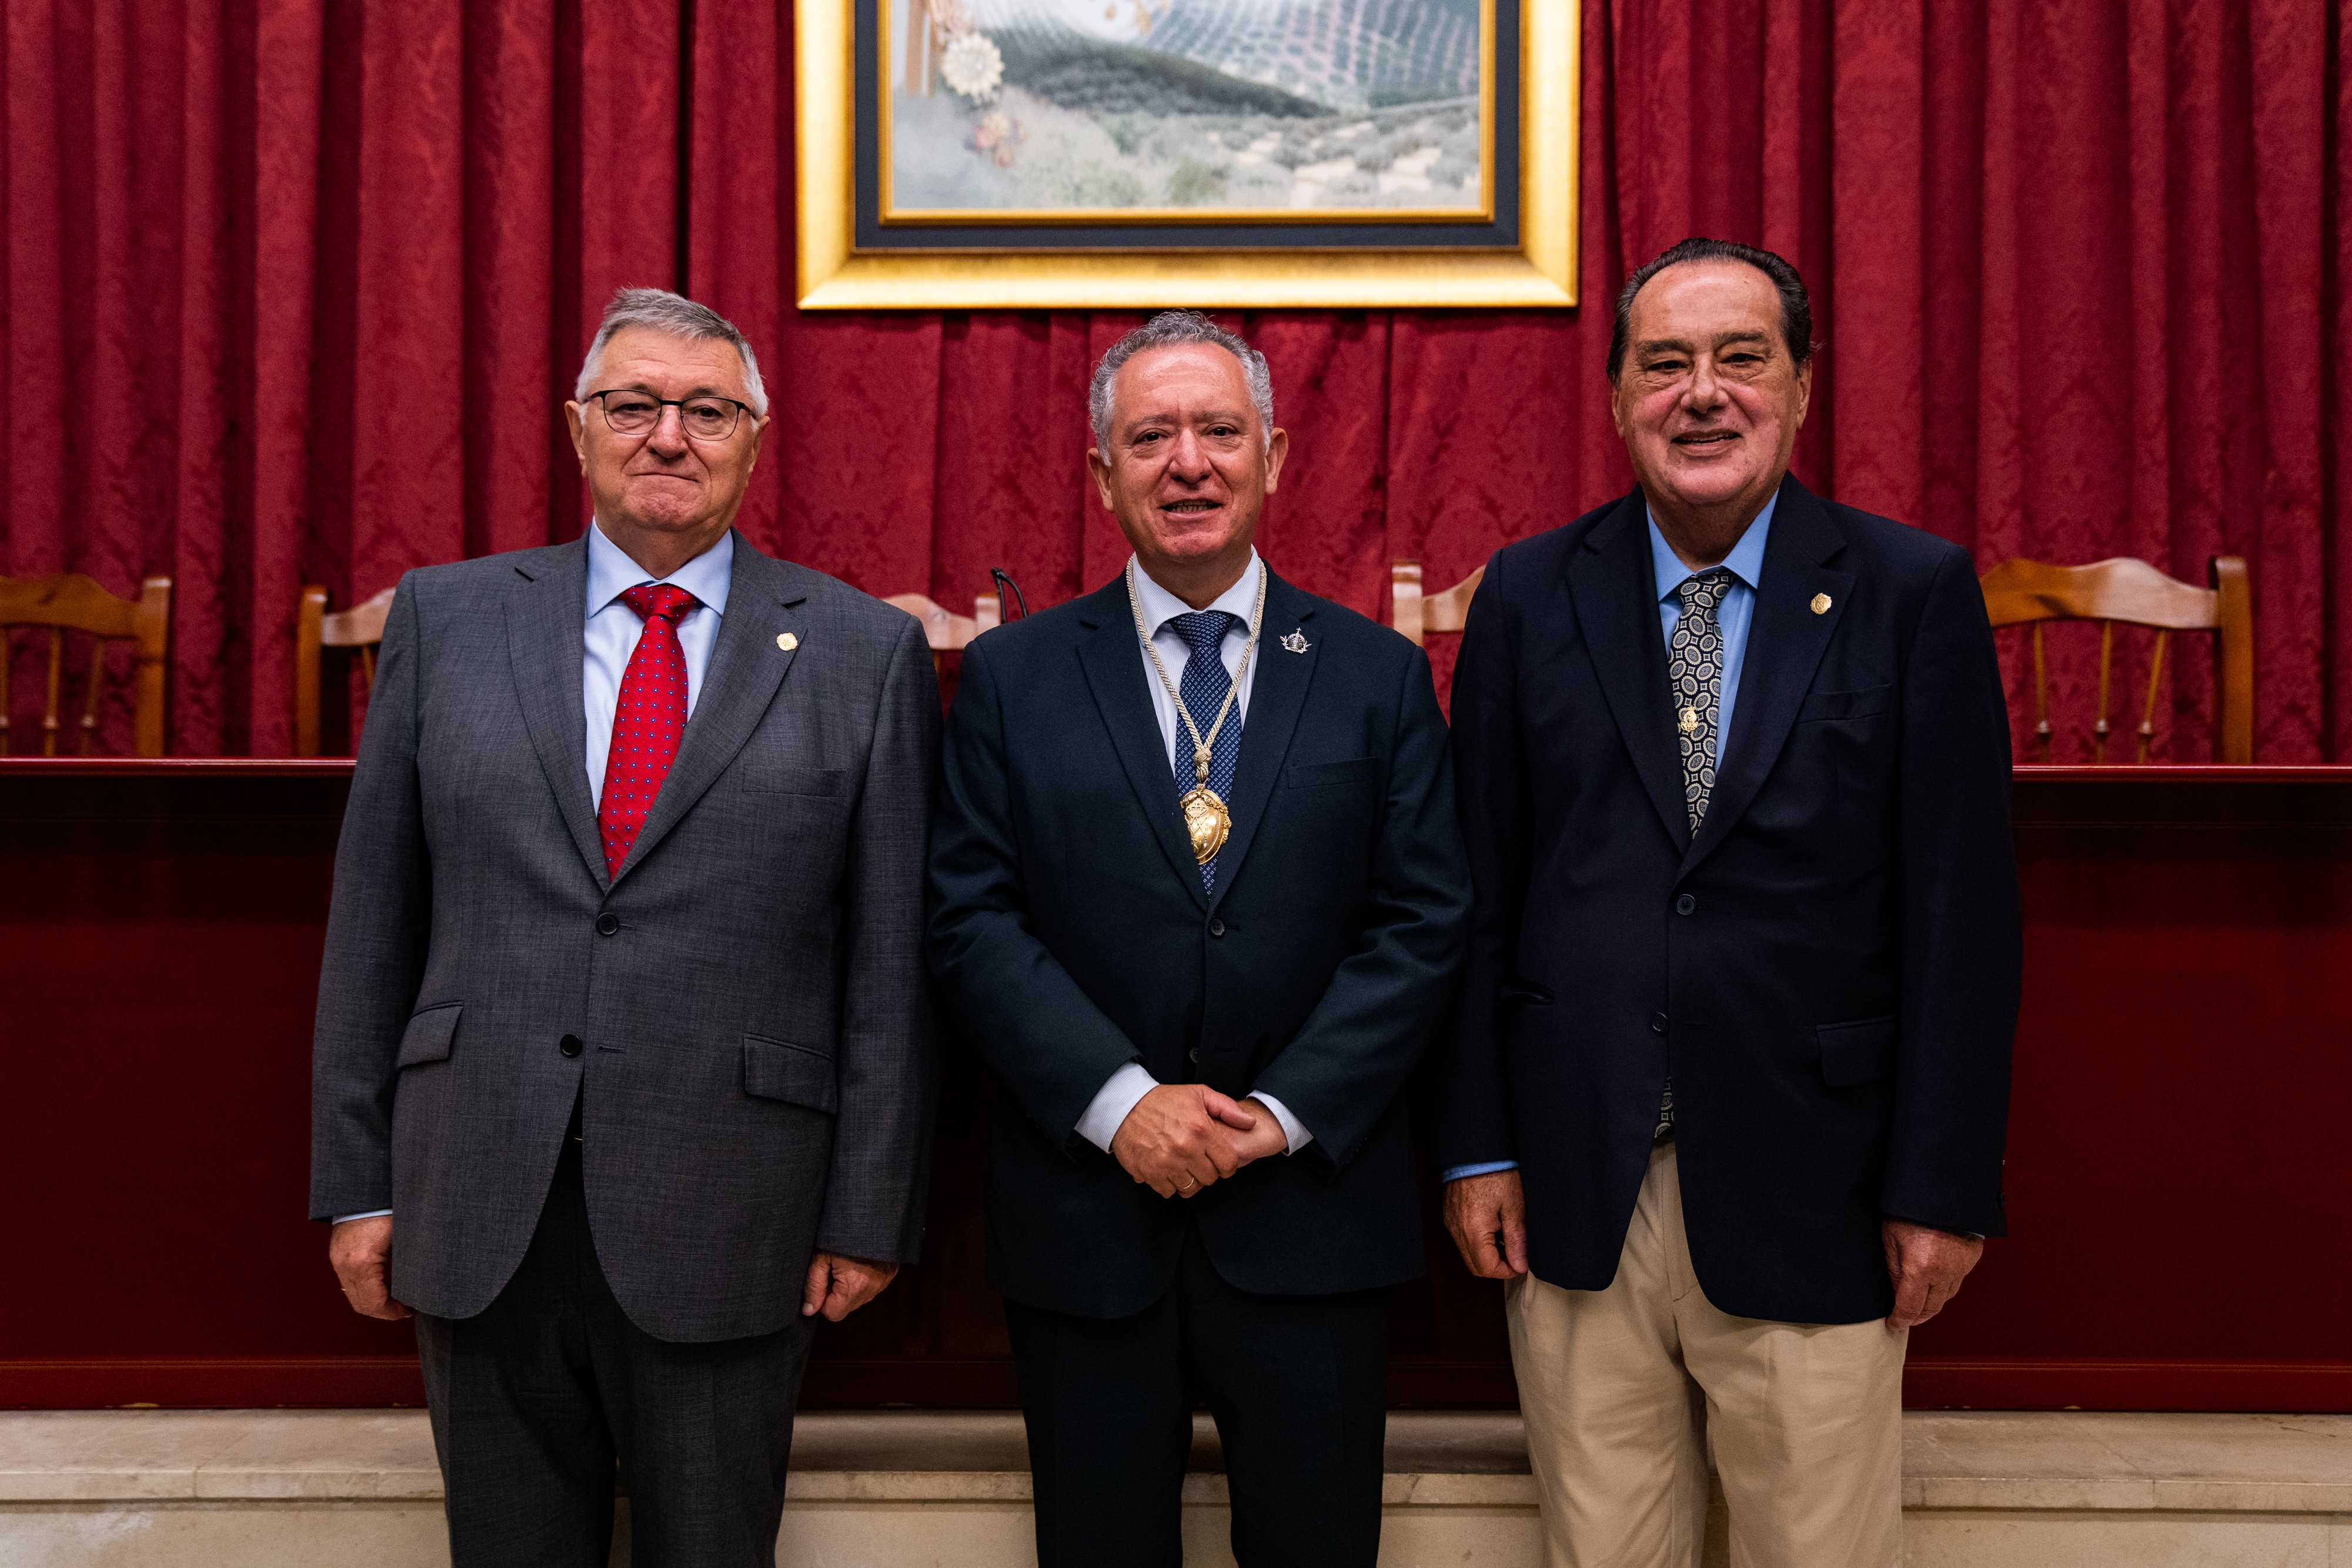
x=294, y=291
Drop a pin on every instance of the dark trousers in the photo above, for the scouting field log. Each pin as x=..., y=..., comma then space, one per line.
x=534, y=1399
x=1298, y=1386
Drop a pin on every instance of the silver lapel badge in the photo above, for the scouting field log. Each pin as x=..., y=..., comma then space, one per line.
x=1296, y=642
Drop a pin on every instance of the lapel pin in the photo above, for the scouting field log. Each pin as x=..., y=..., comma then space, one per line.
x=1296, y=642
x=789, y=641
x=1821, y=605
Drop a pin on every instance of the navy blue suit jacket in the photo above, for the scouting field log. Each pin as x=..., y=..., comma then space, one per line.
x=1829, y=966
x=1070, y=934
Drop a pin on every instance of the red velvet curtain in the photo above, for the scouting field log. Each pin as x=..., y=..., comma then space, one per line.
x=294, y=289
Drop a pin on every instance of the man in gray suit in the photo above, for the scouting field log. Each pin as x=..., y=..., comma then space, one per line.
x=622, y=1062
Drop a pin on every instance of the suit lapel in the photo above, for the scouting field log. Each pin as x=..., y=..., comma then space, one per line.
x=1113, y=662
x=1277, y=697
x=547, y=622
x=1785, y=643
x=747, y=664
x=1616, y=595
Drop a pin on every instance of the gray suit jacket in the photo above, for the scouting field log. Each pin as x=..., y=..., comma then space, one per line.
x=741, y=1013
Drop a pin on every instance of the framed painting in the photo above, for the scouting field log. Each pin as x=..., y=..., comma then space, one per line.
x=1224, y=153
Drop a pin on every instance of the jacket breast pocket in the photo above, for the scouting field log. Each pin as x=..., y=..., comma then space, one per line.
x=1856, y=1054
x=778, y=1070
x=430, y=1035
x=1863, y=704
x=821, y=782
x=1317, y=775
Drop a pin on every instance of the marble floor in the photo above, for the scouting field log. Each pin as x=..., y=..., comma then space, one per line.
x=949, y=1490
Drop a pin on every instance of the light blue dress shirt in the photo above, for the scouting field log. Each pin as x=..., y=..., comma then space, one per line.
x=613, y=628
x=1733, y=614
x=611, y=636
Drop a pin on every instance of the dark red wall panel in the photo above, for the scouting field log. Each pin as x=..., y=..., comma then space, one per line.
x=2177, y=1174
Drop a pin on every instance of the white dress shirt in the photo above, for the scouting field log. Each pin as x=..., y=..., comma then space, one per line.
x=1132, y=1083
x=613, y=631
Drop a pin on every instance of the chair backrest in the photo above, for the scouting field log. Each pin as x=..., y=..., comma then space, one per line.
x=2136, y=594
x=72, y=602
x=947, y=633
x=1418, y=614
x=361, y=627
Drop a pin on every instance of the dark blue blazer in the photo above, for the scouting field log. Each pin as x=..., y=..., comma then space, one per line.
x=1070, y=934
x=1829, y=966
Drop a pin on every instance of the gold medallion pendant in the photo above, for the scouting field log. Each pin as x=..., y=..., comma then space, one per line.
x=1206, y=820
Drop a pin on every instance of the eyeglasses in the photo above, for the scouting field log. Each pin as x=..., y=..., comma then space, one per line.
x=703, y=417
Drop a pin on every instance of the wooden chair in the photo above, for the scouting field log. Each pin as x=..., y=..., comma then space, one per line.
x=945, y=631
x=72, y=602
x=1418, y=614
x=2136, y=594
x=361, y=627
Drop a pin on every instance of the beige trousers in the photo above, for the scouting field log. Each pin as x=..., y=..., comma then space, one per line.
x=1625, y=1389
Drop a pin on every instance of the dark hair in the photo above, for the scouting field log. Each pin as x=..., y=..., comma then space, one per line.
x=1796, y=305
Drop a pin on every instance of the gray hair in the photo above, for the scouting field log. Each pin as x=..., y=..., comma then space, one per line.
x=676, y=316
x=1163, y=330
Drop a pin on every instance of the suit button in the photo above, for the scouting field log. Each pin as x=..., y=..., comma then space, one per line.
x=1194, y=1053
x=1216, y=928
x=608, y=923
x=1685, y=904
x=569, y=1045
x=1657, y=1023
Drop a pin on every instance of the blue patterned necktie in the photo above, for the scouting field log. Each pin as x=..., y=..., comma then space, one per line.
x=1206, y=681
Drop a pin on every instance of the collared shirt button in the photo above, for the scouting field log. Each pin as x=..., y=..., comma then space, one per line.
x=1685, y=904
x=1216, y=927
x=1657, y=1023
x=569, y=1045
x=607, y=923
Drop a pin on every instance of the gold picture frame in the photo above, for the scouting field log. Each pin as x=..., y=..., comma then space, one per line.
x=833, y=273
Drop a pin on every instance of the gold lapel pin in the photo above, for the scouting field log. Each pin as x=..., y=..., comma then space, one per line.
x=789, y=641
x=1821, y=605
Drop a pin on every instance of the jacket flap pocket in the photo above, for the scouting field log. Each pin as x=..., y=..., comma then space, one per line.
x=822, y=781
x=1356, y=770
x=1845, y=704
x=430, y=1035
x=777, y=1069
x=1858, y=1052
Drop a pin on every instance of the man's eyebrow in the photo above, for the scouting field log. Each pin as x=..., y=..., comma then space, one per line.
x=1211, y=416
x=1683, y=345
x=705, y=389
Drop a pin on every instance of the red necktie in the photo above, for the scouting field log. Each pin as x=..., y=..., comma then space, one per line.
x=648, y=721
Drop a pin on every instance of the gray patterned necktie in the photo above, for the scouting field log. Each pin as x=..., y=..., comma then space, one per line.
x=1695, y=667
x=1694, y=670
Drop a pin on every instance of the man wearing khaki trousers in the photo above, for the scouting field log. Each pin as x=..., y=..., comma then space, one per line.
x=1727, y=1085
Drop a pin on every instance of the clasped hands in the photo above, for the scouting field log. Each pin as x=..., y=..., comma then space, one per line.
x=1488, y=1218
x=1184, y=1137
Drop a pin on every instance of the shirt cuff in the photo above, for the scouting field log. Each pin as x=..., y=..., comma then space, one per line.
x=1456, y=1173
x=1293, y=1132
x=371, y=1214
x=1112, y=1101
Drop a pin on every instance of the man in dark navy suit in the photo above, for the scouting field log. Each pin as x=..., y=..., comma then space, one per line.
x=1726, y=1093
x=1198, y=899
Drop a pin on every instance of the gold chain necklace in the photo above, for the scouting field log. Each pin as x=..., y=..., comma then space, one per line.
x=1207, y=820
